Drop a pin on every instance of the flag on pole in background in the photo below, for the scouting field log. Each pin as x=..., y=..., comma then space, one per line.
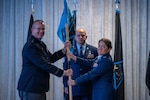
x=118, y=60
x=71, y=20
x=148, y=73
x=30, y=26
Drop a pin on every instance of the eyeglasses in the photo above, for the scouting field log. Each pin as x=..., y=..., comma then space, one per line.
x=40, y=28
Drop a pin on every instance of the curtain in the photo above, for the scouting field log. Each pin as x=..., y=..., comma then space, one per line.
x=97, y=17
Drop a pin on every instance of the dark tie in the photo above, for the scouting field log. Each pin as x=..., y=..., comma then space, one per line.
x=81, y=51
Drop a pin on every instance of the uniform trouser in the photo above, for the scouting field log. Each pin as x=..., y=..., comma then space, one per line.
x=31, y=96
x=66, y=97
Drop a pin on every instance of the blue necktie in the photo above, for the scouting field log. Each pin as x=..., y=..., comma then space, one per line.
x=81, y=52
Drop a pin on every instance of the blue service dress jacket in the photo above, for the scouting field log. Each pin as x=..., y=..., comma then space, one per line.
x=80, y=89
x=36, y=66
x=101, y=76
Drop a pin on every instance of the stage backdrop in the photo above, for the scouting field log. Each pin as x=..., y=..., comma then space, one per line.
x=97, y=17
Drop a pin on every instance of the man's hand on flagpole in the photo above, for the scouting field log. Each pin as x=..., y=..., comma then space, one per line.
x=67, y=44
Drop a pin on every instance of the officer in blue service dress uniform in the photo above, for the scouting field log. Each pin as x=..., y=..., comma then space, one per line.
x=83, y=50
x=101, y=73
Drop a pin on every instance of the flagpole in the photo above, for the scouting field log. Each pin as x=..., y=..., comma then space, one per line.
x=68, y=50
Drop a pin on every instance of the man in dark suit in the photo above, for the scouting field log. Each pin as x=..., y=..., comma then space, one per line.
x=83, y=50
x=34, y=78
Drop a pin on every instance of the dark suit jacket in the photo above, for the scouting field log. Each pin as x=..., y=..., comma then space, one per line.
x=37, y=66
x=81, y=89
x=101, y=75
